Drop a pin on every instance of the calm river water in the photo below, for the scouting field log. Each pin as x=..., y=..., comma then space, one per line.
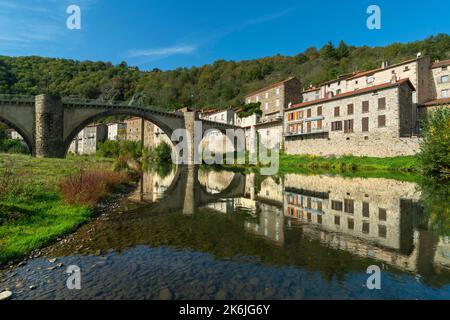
x=193, y=233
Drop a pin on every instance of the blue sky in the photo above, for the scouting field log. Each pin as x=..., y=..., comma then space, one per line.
x=179, y=33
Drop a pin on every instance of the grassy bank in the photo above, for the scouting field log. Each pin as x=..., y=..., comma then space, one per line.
x=42, y=199
x=406, y=167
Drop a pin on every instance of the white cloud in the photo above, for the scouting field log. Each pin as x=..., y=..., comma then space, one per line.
x=163, y=52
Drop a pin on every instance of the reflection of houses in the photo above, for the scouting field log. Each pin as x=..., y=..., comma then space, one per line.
x=152, y=186
x=374, y=218
x=87, y=141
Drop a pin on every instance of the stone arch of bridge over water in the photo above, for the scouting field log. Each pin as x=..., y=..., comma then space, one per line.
x=78, y=126
x=26, y=138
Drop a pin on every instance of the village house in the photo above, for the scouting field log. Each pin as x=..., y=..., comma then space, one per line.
x=87, y=141
x=274, y=100
x=117, y=131
x=140, y=130
x=376, y=121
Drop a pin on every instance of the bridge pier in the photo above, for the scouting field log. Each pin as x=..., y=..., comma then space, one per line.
x=49, y=127
x=189, y=125
x=189, y=195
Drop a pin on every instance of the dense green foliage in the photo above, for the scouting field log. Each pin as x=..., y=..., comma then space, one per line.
x=114, y=149
x=162, y=153
x=435, y=145
x=221, y=84
x=249, y=109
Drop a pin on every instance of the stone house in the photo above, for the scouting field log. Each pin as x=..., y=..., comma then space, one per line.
x=139, y=130
x=440, y=72
x=377, y=121
x=87, y=141
x=274, y=100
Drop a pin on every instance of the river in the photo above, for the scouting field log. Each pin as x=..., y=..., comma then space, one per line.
x=197, y=233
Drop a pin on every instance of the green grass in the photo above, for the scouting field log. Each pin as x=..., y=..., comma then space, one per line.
x=402, y=168
x=37, y=213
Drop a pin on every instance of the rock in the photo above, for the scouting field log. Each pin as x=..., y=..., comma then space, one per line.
x=165, y=294
x=53, y=260
x=21, y=264
x=5, y=295
x=32, y=287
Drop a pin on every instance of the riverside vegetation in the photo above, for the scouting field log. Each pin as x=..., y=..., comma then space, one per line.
x=41, y=199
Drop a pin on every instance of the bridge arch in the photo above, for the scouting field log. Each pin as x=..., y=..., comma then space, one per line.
x=76, y=126
x=26, y=137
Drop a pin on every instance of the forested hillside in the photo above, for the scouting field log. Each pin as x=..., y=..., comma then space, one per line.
x=221, y=84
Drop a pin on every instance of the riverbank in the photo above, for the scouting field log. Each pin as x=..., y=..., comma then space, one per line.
x=35, y=208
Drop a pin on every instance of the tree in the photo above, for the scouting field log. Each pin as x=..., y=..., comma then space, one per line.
x=328, y=51
x=435, y=146
x=342, y=51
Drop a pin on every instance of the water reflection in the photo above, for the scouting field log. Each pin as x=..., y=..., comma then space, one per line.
x=317, y=231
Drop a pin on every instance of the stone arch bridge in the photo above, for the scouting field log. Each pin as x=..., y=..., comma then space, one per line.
x=48, y=124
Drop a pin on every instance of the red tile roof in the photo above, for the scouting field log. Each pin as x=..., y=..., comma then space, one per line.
x=354, y=93
x=436, y=102
x=270, y=87
x=440, y=64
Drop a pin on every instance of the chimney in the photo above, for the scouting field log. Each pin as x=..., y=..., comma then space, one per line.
x=394, y=78
x=384, y=64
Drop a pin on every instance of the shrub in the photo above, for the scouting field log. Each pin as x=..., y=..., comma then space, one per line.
x=89, y=187
x=161, y=153
x=114, y=149
x=434, y=155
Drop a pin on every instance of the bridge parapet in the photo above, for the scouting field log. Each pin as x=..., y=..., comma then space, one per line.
x=16, y=99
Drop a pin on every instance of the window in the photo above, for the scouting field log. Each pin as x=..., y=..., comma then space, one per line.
x=350, y=109
x=309, y=113
x=277, y=103
x=319, y=219
x=381, y=103
x=266, y=106
x=319, y=206
x=337, y=220
x=348, y=126
x=257, y=98
x=406, y=69
x=365, y=106
x=445, y=93
x=365, y=210
x=381, y=121
x=382, y=214
x=278, y=91
x=267, y=95
x=349, y=205
x=382, y=231
x=444, y=79
x=336, y=205
x=308, y=126
x=249, y=100
x=351, y=224
x=365, y=124
x=336, y=126
x=308, y=202
x=445, y=68
x=337, y=111
x=319, y=124
x=319, y=111
x=370, y=79
x=366, y=227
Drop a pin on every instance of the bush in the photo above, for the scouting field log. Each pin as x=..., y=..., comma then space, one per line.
x=12, y=146
x=89, y=187
x=434, y=156
x=161, y=153
x=114, y=149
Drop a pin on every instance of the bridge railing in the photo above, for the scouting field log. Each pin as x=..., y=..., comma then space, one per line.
x=101, y=103
x=16, y=98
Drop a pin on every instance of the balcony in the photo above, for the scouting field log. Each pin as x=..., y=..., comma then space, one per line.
x=305, y=131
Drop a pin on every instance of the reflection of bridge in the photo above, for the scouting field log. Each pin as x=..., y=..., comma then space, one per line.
x=49, y=124
x=186, y=193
